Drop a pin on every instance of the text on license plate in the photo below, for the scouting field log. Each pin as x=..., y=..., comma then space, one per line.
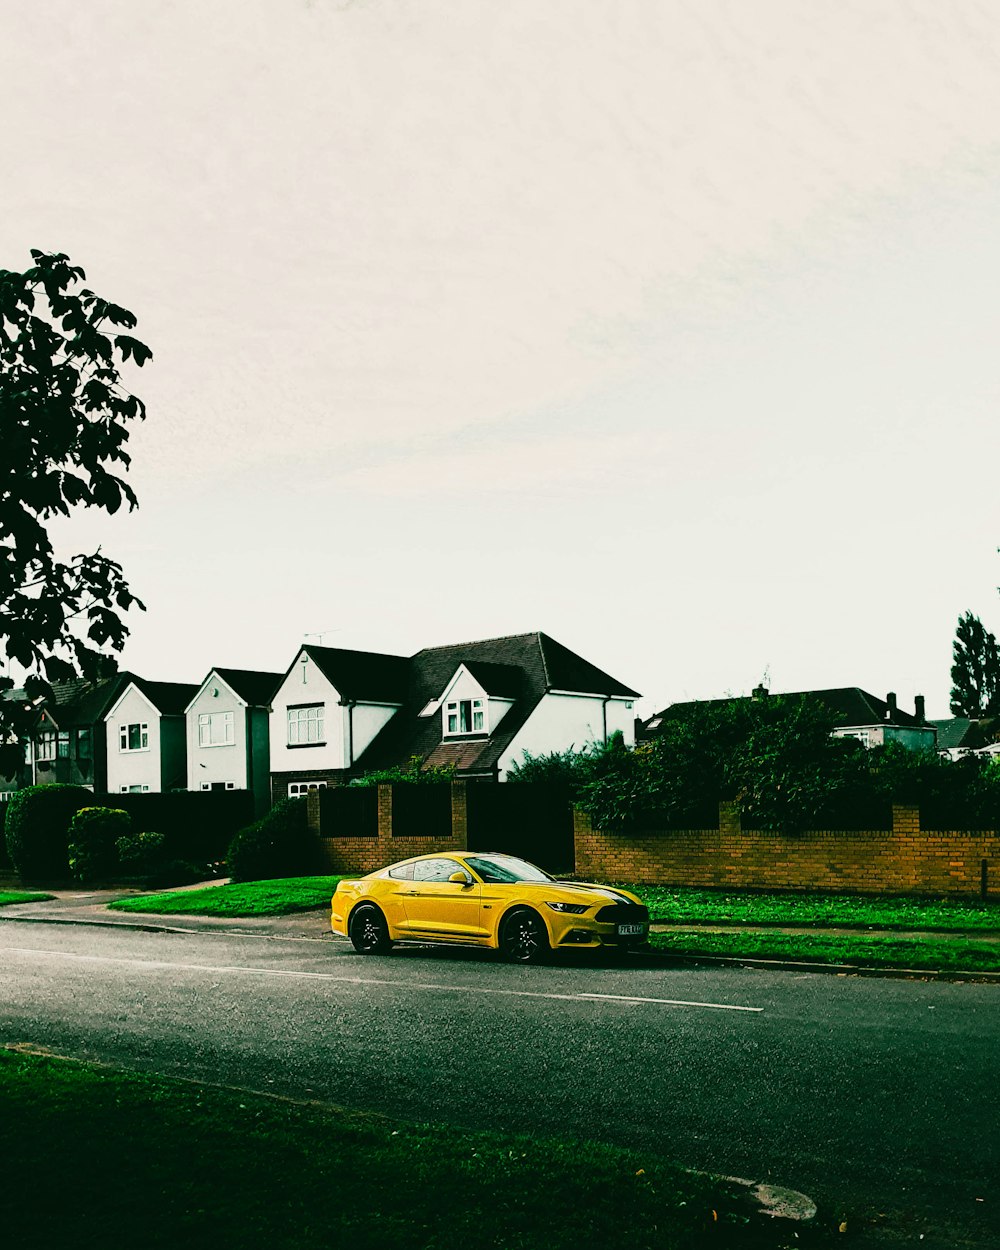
x=631, y=930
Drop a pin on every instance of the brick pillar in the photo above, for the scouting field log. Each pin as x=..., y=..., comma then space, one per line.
x=459, y=816
x=905, y=818
x=583, y=841
x=729, y=819
x=385, y=821
x=312, y=812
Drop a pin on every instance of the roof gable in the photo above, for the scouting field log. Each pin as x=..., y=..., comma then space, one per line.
x=362, y=676
x=253, y=686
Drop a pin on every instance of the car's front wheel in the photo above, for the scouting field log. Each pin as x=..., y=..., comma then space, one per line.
x=368, y=931
x=524, y=938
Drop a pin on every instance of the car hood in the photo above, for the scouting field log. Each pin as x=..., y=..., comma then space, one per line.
x=568, y=891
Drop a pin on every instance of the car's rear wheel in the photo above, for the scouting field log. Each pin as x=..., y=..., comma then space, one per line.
x=368, y=931
x=524, y=938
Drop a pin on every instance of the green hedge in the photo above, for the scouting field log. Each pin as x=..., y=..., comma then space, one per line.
x=280, y=844
x=37, y=825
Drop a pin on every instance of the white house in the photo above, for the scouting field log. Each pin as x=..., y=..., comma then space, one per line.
x=145, y=734
x=476, y=706
x=227, y=725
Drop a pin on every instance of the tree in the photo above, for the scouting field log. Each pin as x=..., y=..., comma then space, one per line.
x=64, y=418
x=975, y=672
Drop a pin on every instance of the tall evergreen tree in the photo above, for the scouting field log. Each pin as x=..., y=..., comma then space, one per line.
x=975, y=672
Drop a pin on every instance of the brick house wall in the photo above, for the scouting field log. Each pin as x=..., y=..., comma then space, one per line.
x=363, y=855
x=903, y=860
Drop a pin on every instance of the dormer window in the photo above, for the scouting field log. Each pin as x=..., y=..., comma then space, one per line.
x=466, y=716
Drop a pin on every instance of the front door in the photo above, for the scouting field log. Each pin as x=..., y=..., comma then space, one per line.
x=437, y=907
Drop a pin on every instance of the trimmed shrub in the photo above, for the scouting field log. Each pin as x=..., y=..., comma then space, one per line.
x=280, y=844
x=146, y=858
x=36, y=829
x=141, y=854
x=91, y=842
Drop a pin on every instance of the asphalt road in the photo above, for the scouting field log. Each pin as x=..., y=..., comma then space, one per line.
x=871, y=1095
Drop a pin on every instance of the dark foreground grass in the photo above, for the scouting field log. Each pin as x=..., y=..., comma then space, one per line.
x=874, y=950
x=678, y=906
x=252, y=898
x=21, y=896
x=89, y=1155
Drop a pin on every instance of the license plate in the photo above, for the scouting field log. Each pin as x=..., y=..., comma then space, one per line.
x=631, y=930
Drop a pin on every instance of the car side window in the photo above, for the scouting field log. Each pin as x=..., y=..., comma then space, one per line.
x=402, y=871
x=435, y=869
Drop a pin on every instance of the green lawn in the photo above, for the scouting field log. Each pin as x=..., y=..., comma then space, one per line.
x=679, y=906
x=94, y=1155
x=943, y=954
x=252, y=898
x=21, y=896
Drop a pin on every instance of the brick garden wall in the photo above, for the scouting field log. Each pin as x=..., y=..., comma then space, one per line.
x=903, y=860
x=362, y=855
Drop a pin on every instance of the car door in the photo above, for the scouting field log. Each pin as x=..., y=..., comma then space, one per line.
x=437, y=907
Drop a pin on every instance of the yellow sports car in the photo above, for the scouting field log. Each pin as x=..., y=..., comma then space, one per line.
x=490, y=900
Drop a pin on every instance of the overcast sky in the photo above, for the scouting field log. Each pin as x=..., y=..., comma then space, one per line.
x=668, y=328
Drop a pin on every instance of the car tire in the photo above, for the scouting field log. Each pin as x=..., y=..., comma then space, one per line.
x=368, y=931
x=524, y=938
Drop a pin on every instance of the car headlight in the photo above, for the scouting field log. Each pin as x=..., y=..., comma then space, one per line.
x=574, y=909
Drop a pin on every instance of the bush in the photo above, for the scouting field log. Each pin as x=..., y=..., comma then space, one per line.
x=93, y=833
x=280, y=844
x=141, y=854
x=412, y=771
x=37, y=823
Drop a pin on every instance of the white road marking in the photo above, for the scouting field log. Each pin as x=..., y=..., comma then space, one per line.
x=341, y=980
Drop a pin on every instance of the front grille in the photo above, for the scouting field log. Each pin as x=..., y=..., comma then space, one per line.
x=623, y=913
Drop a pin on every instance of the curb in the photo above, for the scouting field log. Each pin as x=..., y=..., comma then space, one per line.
x=160, y=928
x=722, y=961
x=858, y=970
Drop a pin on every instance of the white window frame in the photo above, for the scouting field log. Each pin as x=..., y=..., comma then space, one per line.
x=123, y=736
x=45, y=746
x=207, y=785
x=134, y=789
x=464, y=716
x=310, y=718
x=209, y=723
x=299, y=789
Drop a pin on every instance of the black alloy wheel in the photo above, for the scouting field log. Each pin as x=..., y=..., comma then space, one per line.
x=368, y=931
x=524, y=938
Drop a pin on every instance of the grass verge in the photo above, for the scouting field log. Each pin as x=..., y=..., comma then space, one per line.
x=251, y=898
x=21, y=896
x=875, y=950
x=198, y=1166
x=678, y=906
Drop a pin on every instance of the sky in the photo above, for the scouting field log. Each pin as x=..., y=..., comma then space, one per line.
x=668, y=329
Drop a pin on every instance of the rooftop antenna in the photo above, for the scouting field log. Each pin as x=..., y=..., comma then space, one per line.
x=321, y=634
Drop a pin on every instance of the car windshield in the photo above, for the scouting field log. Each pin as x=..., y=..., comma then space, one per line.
x=503, y=868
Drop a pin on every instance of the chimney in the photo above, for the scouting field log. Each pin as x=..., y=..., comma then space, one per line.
x=890, y=713
x=759, y=692
x=918, y=708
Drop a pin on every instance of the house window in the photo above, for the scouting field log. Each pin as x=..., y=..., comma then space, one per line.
x=466, y=716
x=134, y=789
x=46, y=745
x=84, y=745
x=218, y=785
x=62, y=744
x=297, y=789
x=215, y=729
x=134, y=737
x=305, y=725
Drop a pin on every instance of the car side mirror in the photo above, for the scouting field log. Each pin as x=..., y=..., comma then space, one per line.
x=460, y=878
